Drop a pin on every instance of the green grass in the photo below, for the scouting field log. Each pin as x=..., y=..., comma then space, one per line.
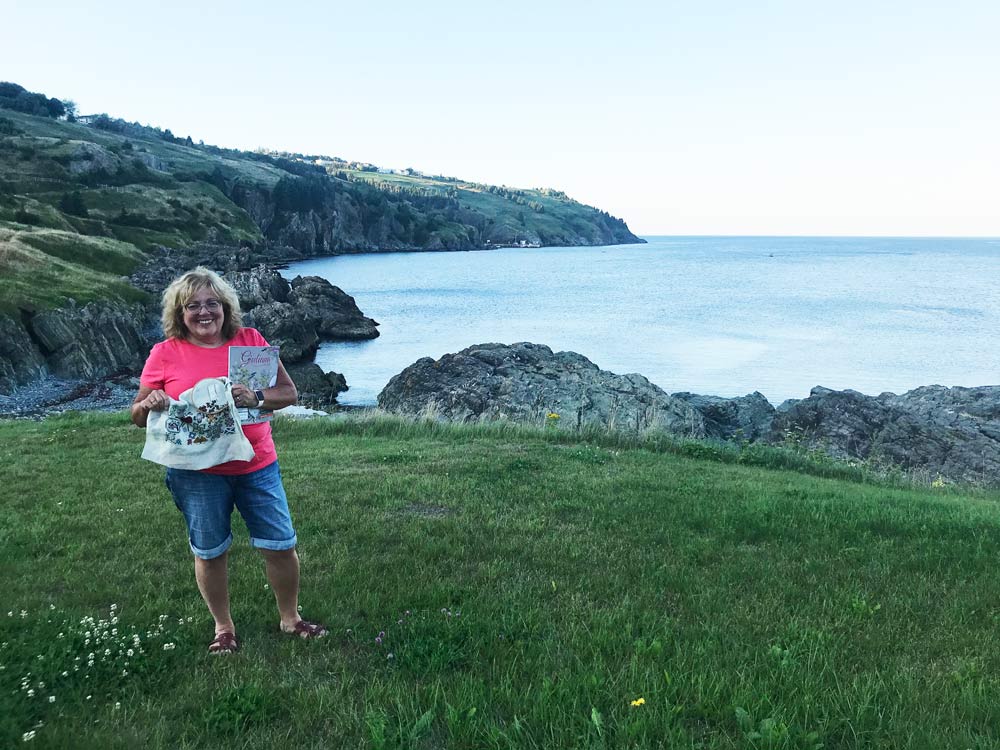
x=43, y=268
x=530, y=585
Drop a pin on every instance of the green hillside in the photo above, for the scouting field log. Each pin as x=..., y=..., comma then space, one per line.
x=531, y=589
x=108, y=181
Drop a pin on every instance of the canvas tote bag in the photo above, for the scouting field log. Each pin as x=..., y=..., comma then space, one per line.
x=198, y=431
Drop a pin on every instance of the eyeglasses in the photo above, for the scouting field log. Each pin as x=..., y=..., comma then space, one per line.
x=211, y=305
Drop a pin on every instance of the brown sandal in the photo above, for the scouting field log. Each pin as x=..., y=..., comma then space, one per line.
x=224, y=643
x=307, y=630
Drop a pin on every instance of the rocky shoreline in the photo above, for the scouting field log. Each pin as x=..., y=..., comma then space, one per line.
x=46, y=357
x=932, y=432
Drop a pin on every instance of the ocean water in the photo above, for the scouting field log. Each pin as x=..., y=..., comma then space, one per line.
x=713, y=315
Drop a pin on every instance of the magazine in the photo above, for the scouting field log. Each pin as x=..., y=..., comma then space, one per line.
x=256, y=367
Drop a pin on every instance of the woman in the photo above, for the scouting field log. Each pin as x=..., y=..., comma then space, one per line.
x=201, y=319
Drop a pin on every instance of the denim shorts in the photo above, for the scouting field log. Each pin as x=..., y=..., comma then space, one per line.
x=207, y=502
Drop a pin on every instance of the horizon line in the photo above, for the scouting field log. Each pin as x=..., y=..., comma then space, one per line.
x=831, y=236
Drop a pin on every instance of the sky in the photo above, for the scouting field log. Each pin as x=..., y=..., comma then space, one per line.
x=729, y=118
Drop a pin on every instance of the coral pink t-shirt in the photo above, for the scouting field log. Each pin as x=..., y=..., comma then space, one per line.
x=175, y=365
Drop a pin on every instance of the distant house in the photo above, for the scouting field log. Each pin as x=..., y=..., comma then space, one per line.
x=86, y=119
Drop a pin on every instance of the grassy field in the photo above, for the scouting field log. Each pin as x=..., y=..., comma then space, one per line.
x=492, y=587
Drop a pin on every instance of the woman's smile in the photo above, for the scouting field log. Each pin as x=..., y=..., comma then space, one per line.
x=204, y=316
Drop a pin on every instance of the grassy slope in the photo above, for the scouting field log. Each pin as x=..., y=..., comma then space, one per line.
x=748, y=607
x=160, y=210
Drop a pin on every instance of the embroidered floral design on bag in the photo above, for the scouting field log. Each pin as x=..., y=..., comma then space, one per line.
x=186, y=425
x=198, y=430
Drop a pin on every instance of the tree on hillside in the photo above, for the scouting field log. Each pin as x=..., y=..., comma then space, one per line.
x=72, y=203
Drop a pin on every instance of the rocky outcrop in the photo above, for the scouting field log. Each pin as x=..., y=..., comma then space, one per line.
x=317, y=389
x=89, y=157
x=930, y=431
x=94, y=341
x=336, y=314
x=745, y=418
x=106, y=338
x=526, y=382
x=299, y=315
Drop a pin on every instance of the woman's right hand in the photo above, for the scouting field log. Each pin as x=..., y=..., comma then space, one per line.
x=147, y=400
x=156, y=401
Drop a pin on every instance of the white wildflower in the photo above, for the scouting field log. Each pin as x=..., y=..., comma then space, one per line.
x=52, y=699
x=169, y=646
x=28, y=736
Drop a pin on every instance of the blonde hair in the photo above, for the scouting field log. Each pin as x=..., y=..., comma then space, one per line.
x=182, y=289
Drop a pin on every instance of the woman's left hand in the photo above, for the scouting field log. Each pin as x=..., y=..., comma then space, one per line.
x=244, y=397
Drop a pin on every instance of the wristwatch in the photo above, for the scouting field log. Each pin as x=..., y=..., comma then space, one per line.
x=260, y=397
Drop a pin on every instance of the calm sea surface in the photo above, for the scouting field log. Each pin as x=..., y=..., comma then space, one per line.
x=713, y=315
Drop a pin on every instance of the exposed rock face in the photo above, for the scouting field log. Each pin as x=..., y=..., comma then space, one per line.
x=99, y=339
x=525, y=382
x=335, y=219
x=89, y=157
x=954, y=432
x=20, y=361
x=745, y=418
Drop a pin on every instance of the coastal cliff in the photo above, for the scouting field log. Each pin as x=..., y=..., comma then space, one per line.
x=97, y=215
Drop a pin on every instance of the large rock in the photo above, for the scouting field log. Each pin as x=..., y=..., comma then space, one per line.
x=954, y=432
x=297, y=316
x=258, y=286
x=745, y=418
x=525, y=382
x=336, y=314
x=283, y=325
x=317, y=389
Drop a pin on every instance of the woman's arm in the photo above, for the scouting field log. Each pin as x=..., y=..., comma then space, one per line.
x=283, y=393
x=147, y=400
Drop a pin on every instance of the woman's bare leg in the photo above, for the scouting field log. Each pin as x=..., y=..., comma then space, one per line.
x=213, y=583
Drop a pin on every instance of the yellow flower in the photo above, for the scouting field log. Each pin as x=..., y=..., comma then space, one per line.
x=939, y=482
x=638, y=702
x=552, y=415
